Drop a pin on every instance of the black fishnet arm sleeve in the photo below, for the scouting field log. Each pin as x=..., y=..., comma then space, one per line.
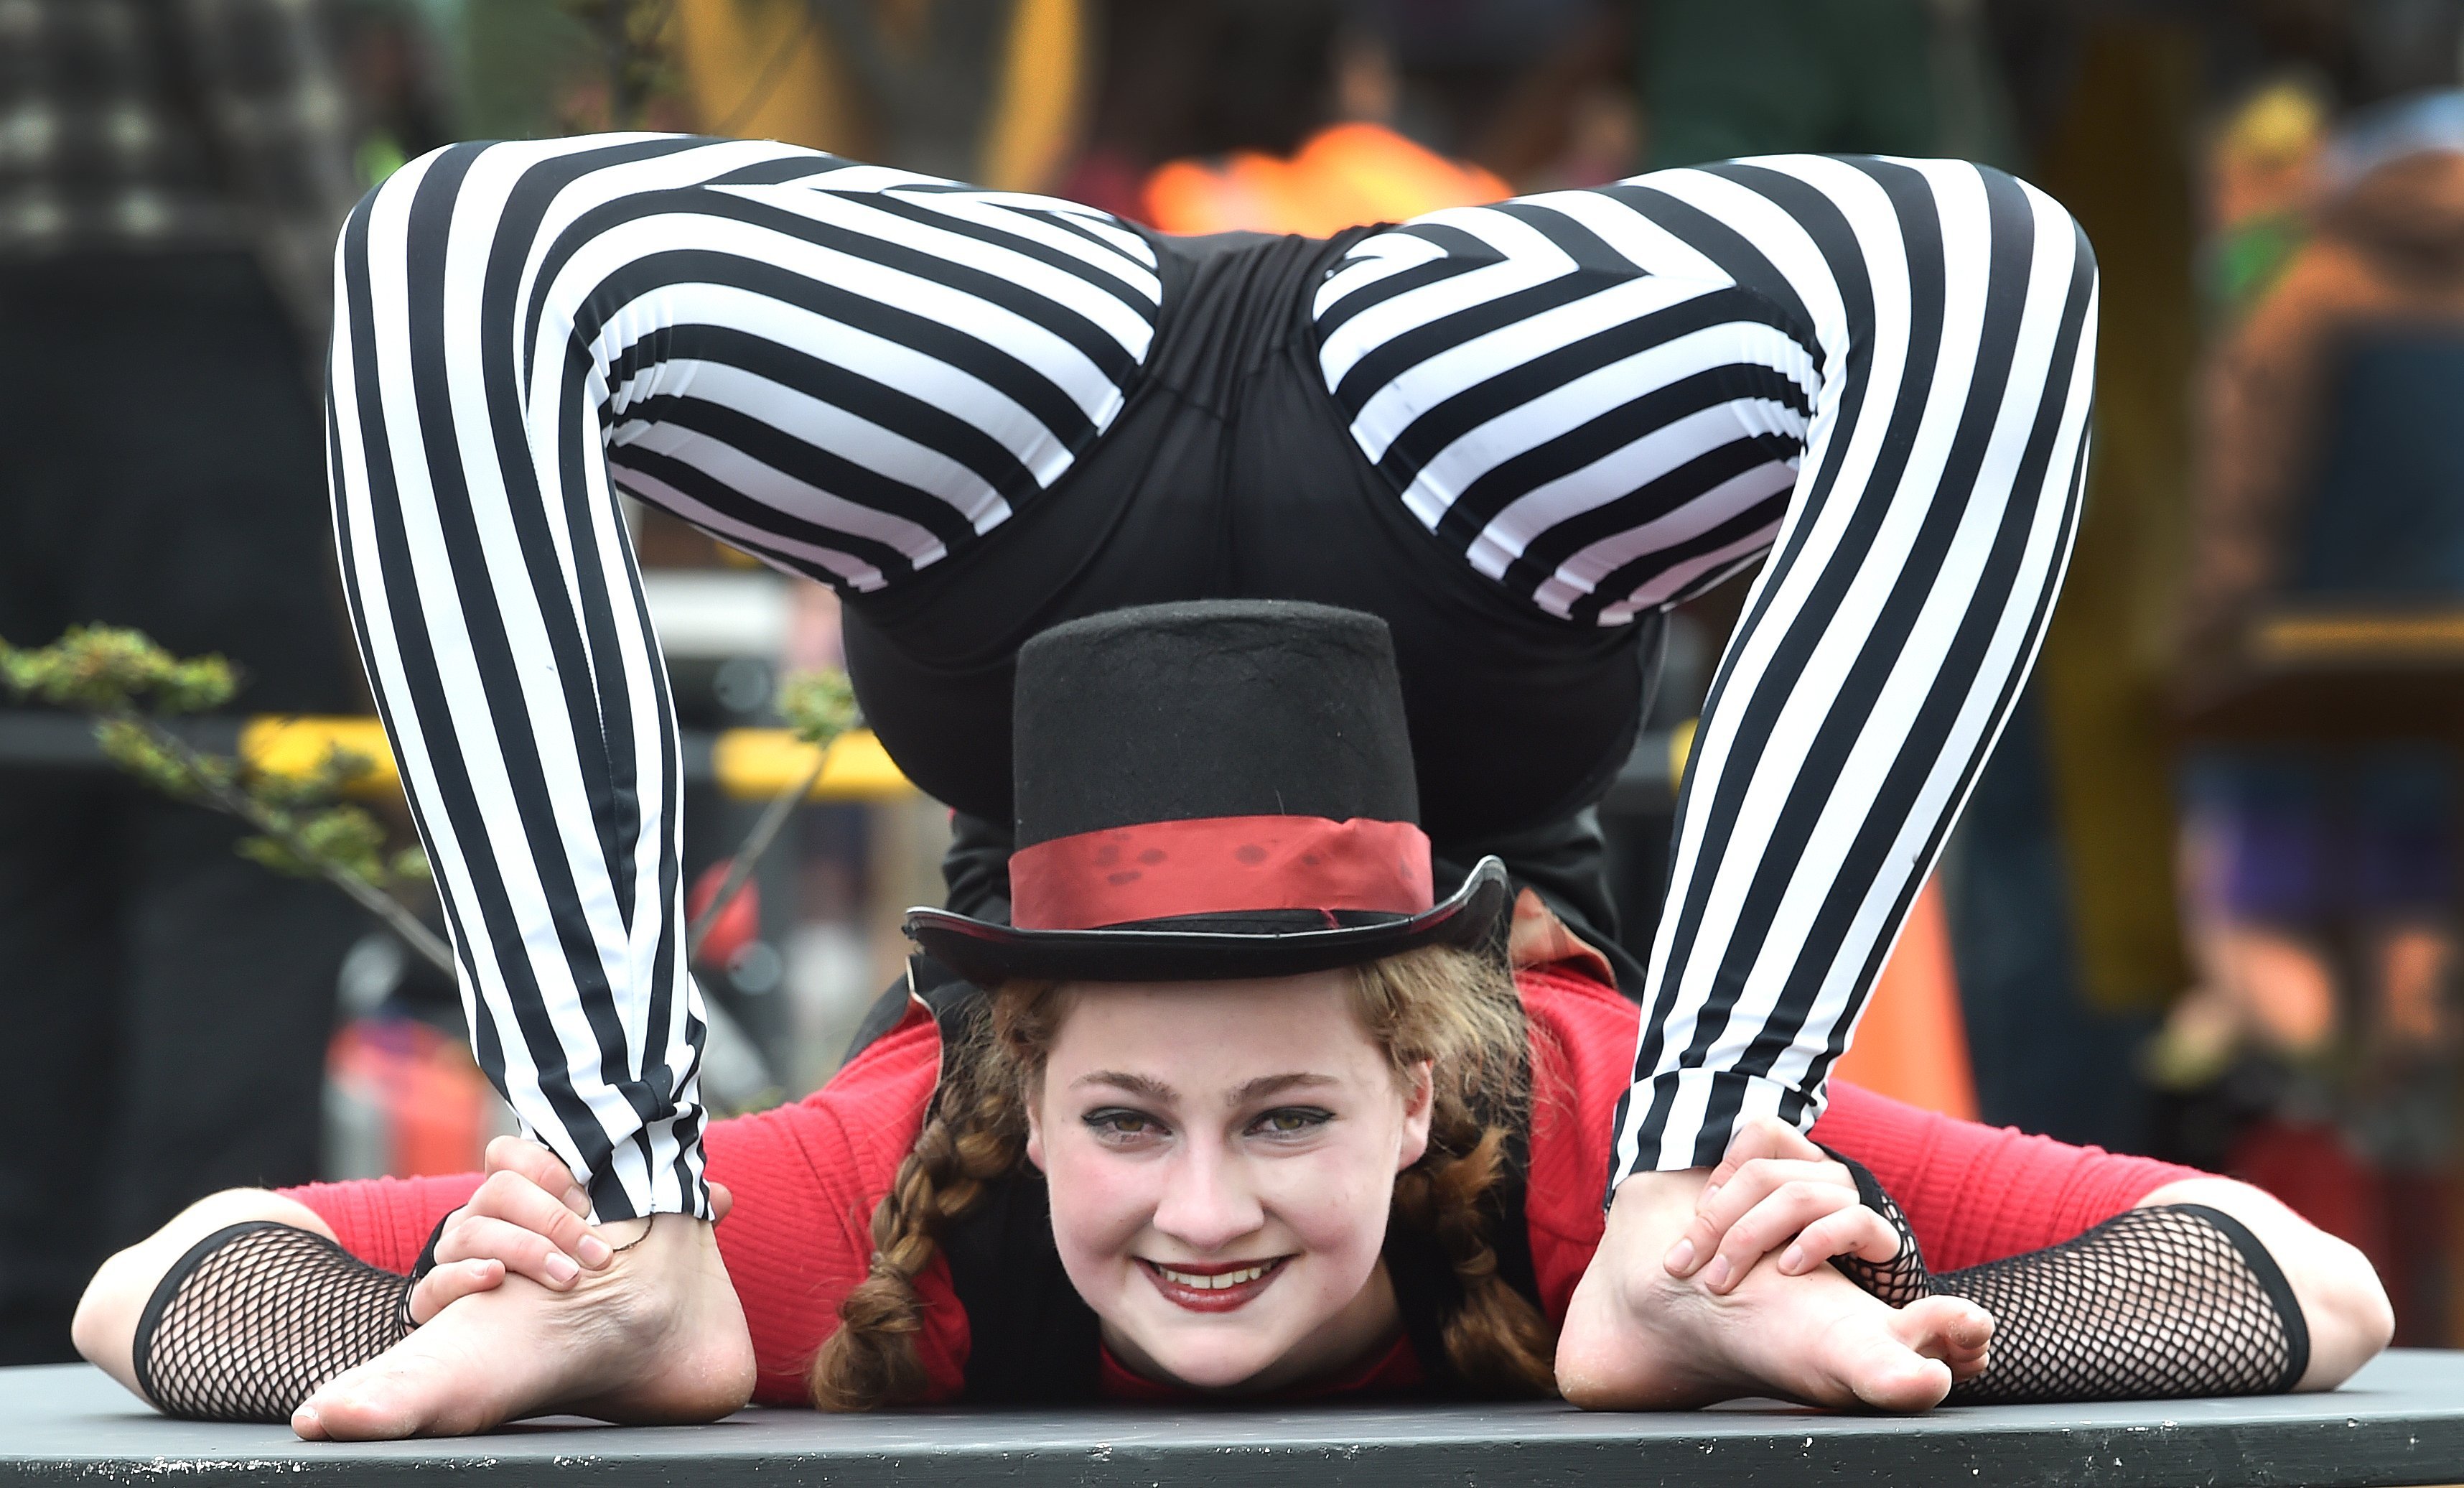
x=257, y=1316
x=2153, y=1304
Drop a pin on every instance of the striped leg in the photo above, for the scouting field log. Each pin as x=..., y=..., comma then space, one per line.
x=1877, y=371
x=850, y=371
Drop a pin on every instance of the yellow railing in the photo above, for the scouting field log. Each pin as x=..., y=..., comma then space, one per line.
x=2358, y=637
x=750, y=764
x=759, y=762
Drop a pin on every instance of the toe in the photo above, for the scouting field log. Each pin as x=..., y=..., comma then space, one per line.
x=397, y=1394
x=359, y=1405
x=1944, y=1327
x=1879, y=1367
x=1905, y=1382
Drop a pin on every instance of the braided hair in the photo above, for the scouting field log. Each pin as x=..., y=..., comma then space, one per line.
x=1456, y=1009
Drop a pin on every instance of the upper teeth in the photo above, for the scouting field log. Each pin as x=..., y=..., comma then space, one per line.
x=1216, y=1282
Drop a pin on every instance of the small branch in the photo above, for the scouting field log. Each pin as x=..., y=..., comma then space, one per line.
x=367, y=895
x=739, y=869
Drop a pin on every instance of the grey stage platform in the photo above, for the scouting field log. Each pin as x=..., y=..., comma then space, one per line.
x=2401, y=1421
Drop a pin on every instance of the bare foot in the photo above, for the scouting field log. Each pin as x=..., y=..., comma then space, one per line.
x=657, y=1337
x=1638, y=1338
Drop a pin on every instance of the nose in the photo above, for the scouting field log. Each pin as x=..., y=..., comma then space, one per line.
x=1207, y=1201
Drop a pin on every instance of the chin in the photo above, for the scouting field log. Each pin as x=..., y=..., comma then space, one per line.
x=1213, y=1359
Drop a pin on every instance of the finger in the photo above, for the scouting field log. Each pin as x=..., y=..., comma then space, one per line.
x=720, y=1202
x=522, y=1251
x=1718, y=1208
x=1753, y=1183
x=1760, y=1178
x=511, y=1197
x=541, y=1167
x=1767, y=1226
x=451, y=1281
x=1857, y=1232
x=1762, y=1137
x=1715, y=1209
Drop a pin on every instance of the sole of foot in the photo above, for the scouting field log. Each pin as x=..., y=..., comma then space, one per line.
x=658, y=1337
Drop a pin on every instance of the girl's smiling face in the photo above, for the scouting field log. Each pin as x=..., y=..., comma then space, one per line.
x=1220, y=1157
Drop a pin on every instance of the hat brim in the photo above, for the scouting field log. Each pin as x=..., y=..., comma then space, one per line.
x=989, y=954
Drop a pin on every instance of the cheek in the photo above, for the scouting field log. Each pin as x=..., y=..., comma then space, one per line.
x=1101, y=1201
x=1334, y=1203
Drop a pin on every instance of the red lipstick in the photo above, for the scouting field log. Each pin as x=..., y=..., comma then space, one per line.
x=1212, y=1286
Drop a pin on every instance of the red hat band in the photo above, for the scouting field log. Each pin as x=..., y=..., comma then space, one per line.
x=1220, y=865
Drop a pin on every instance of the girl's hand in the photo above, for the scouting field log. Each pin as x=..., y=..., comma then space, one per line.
x=529, y=1217
x=1776, y=1188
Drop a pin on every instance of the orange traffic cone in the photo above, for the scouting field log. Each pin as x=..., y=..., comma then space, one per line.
x=1912, y=1043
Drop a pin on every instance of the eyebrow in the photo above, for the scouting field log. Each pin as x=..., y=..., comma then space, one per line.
x=1259, y=1089
x=1266, y=1085
x=1134, y=1085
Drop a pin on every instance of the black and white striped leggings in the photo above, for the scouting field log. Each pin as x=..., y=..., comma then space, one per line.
x=1876, y=371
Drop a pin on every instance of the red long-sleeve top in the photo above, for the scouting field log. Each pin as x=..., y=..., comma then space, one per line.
x=806, y=1177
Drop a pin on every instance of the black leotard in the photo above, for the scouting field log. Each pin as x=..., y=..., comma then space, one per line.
x=1229, y=475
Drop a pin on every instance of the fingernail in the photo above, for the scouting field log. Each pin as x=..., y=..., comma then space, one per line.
x=561, y=1268
x=1715, y=1275
x=595, y=1251
x=1680, y=1257
x=1792, y=1260
x=1708, y=1189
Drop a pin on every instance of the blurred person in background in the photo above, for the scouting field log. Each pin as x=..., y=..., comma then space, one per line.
x=2264, y=180
x=171, y=176
x=2319, y=833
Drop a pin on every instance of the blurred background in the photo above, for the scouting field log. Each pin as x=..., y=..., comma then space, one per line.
x=2202, y=902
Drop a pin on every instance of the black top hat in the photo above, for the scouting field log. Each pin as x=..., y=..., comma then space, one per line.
x=1212, y=790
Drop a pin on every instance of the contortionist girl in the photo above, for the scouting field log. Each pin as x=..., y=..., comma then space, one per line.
x=1234, y=1101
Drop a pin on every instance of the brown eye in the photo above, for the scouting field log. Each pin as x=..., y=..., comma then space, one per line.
x=1121, y=1123
x=1291, y=1122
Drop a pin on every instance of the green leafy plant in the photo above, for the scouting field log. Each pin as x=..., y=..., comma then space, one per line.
x=128, y=684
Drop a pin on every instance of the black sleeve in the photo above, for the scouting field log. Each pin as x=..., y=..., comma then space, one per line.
x=2153, y=1304
x=255, y=1318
